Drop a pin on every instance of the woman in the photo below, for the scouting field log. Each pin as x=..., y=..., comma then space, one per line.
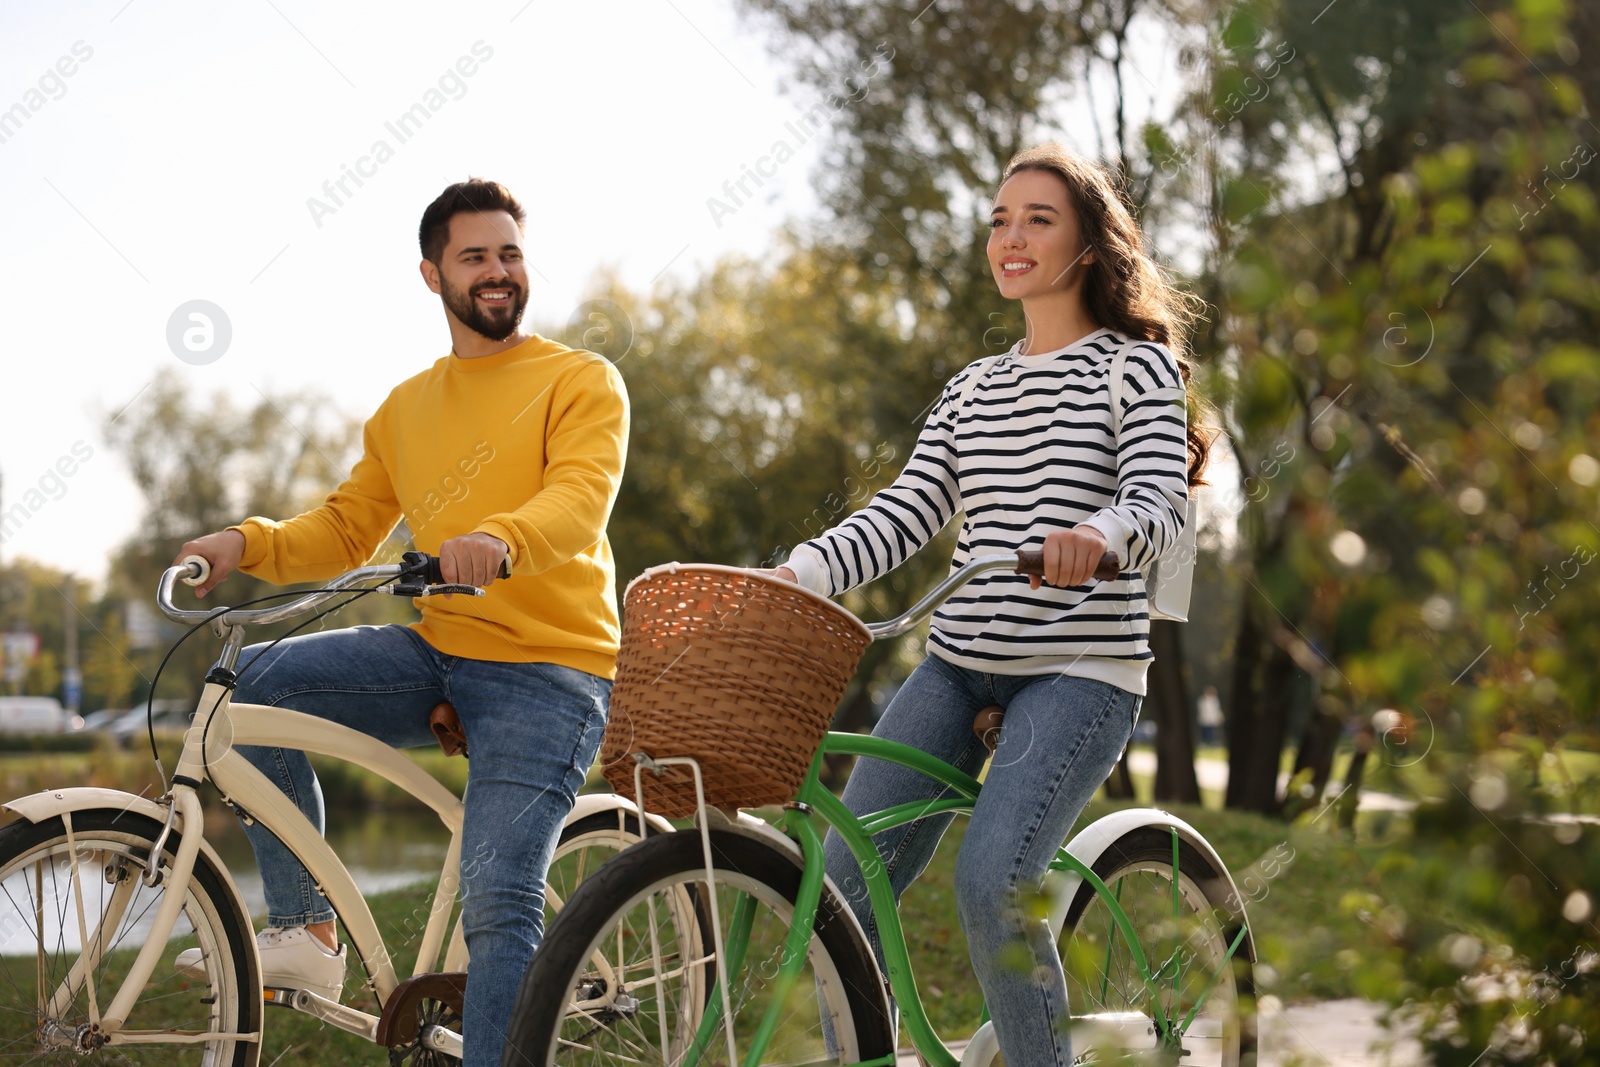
x=1024, y=444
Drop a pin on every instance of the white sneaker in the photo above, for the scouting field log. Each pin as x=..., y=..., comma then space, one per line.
x=291, y=958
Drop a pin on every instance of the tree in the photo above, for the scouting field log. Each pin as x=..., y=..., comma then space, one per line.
x=42, y=600
x=206, y=465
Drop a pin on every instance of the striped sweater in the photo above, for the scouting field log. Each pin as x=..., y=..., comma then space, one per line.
x=1033, y=451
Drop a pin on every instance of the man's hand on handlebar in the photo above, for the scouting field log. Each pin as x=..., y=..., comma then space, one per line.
x=1070, y=557
x=474, y=559
x=222, y=550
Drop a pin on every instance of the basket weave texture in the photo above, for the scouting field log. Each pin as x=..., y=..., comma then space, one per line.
x=736, y=669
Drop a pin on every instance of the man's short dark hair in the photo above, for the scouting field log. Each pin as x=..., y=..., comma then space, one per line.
x=474, y=194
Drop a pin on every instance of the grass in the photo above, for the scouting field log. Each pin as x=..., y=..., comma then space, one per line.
x=1314, y=922
x=1320, y=920
x=289, y=1037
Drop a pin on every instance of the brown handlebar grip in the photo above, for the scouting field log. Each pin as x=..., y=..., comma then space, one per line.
x=1032, y=562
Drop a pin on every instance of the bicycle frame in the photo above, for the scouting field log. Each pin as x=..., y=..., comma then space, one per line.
x=815, y=798
x=248, y=789
x=209, y=751
x=225, y=725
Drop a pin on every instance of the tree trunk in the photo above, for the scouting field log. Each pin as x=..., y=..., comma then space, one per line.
x=1120, y=785
x=1272, y=726
x=1350, y=799
x=1169, y=703
x=1241, y=716
x=1257, y=722
x=1352, y=786
x=1319, y=741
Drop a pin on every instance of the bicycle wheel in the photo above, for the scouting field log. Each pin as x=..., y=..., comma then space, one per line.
x=44, y=999
x=593, y=841
x=1185, y=939
x=586, y=845
x=594, y=994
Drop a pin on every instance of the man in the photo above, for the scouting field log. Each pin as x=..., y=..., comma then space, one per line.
x=508, y=449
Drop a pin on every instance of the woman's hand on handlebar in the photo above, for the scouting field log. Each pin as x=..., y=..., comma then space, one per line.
x=222, y=550
x=473, y=559
x=1070, y=557
x=785, y=574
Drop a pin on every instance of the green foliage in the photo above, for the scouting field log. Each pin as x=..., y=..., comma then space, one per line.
x=1398, y=241
x=1500, y=964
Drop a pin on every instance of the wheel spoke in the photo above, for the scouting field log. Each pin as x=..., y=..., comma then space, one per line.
x=1162, y=890
x=660, y=890
x=100, y=909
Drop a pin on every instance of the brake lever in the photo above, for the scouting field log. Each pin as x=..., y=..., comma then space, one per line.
x=422, y=577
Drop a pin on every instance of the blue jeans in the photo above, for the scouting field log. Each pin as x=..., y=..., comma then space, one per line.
x=532, y=731
x=1062, y=735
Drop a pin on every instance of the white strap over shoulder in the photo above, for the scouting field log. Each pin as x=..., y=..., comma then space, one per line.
x=1169, y=579
x=1118, y=368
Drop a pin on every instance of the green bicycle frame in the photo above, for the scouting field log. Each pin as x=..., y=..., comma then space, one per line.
x=857, y=833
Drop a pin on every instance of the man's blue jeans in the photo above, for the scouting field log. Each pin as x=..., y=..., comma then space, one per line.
x=532, y=730
x=1062, y=735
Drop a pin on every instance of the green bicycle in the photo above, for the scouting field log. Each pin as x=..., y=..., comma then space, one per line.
x=1151, y=930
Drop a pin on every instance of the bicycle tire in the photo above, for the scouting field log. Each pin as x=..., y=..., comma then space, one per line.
x=1137, y=868
x=600, y=829
x=584, y=846
x=842, y=975
x=113, y=851
x=612, y=832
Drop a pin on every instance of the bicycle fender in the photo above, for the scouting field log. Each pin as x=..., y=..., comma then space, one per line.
x=983, y=1049
x=49, y=803
x=592, y=803
x=1090, y=843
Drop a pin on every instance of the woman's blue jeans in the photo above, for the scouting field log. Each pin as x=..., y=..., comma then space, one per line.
x=532, y=731
x=1062, y=736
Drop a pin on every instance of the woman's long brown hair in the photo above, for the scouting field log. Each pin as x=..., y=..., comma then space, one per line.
x=1125, y=289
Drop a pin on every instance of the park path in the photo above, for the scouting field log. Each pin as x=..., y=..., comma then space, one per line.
x=1331, y=1033
x=1213, y=774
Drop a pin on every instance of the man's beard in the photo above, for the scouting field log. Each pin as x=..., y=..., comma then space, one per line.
x=496, y=324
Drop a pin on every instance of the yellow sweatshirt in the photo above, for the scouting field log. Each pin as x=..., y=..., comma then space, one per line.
x=526, y=445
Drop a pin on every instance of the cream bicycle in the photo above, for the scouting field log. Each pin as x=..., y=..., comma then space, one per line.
x=101, y=889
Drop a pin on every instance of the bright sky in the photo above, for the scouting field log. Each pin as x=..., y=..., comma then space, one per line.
x=156, y=152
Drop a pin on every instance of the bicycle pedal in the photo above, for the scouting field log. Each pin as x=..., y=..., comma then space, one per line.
x=283, y=998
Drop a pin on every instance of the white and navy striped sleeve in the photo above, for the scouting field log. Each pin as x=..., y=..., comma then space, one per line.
x=1148, y=513
x=898, y=520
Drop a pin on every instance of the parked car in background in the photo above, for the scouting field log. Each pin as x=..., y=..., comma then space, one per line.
x=31, y=715
x=171, y=716
x=99, y=720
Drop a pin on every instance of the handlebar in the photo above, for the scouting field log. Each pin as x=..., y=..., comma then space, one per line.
x=416, y=575
x=1020, y=562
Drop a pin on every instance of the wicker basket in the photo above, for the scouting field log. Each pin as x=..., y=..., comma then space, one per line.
x=736, y=669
